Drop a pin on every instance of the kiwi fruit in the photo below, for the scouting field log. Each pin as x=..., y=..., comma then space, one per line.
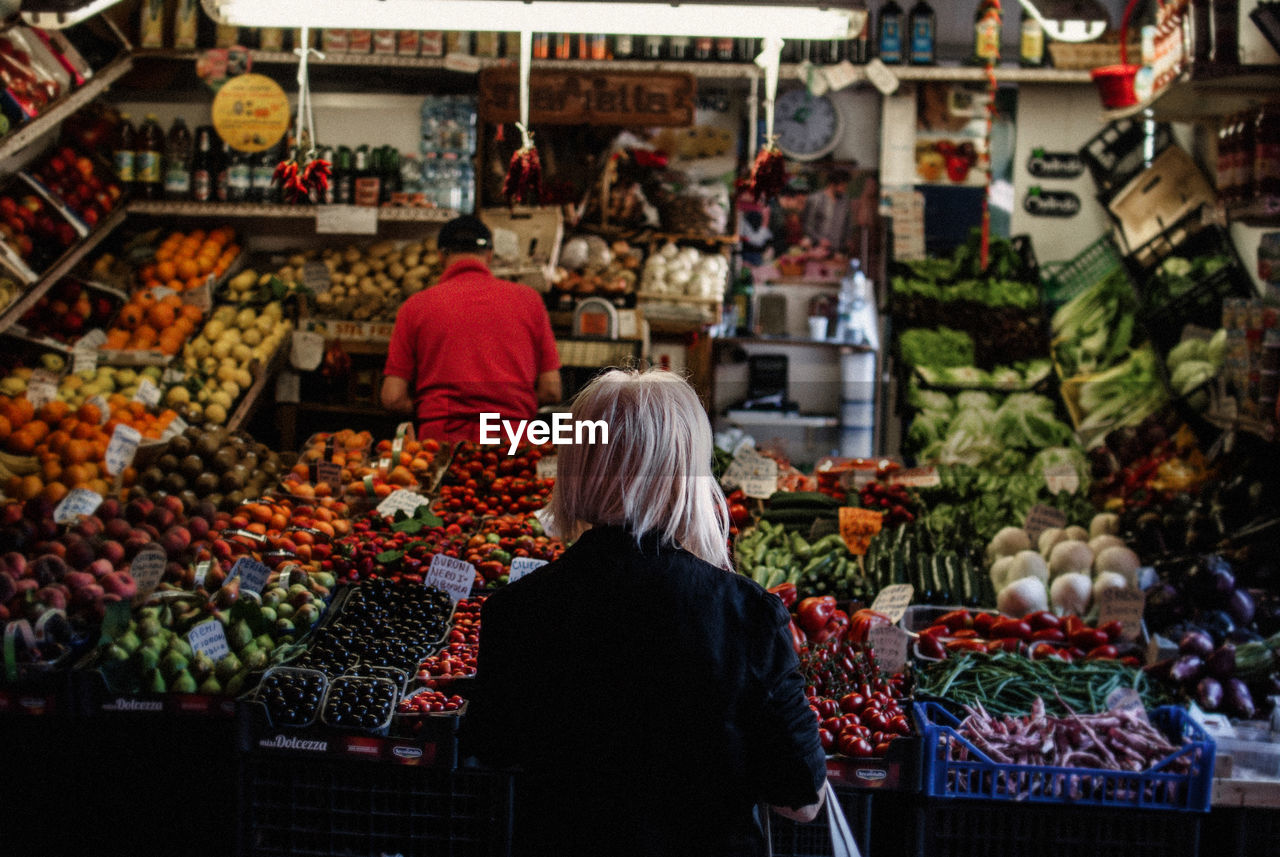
x=189, y=498
x=206, y=483
x=191, y=466
x=174, y=482
x=180, y=445
x=250, y=460
x=167, y=462
x=151, y=478
x=224, y=459
x=270, y=466
x=215, y=499
x=207, y=446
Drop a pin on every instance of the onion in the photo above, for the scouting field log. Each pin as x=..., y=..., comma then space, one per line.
x=1008, y=542
x=1070, y=556
x=1108, y=580
x=1122, y=561
x=1028, y=563
x=1070, y=593
x=1104, y=524
x=1023, y=596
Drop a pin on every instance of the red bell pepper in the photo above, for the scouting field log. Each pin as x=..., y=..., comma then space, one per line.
x=798, y=640
x=814, y=612
x=863, y=621
x=787, y=592
x=836, y=628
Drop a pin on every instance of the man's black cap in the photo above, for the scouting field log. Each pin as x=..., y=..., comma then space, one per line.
x=465, y=234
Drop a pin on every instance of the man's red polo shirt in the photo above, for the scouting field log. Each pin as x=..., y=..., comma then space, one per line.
x=468, y=345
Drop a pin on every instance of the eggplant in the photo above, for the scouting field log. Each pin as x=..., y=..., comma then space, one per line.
x=1212, y=580
x=1236, y=699
x=1196, y=643
x=1186, y=669
x=1217, y=623
x=1222, y=663
x=1209, y=693
x=1241, y=606
x=1164, y=606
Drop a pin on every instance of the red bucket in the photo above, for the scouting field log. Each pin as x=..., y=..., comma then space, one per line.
x=1115, y=82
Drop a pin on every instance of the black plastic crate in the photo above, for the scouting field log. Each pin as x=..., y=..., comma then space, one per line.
x=1243, y=831
x=323, y=806
x=1120, y=151
x=948, y=828
x=814, y=839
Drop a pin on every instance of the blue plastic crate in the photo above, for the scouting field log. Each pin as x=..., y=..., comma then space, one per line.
x=979, y=778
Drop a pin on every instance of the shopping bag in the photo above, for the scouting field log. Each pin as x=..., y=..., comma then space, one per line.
x=842, y=841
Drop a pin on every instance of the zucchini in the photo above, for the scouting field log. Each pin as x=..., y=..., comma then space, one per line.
x=942, y=590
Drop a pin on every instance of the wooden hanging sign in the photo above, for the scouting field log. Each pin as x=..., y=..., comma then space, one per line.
x=590, y=97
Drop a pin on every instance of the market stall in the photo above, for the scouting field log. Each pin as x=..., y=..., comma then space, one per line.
x=1019, y=494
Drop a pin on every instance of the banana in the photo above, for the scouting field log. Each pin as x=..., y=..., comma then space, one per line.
x=19, y=465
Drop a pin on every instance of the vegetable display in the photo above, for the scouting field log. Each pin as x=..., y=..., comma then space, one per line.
x=1008, y=683
x=1093, y=330
x=1038, y=635
x=979, y=429
x=770, y=555
x=859, y=710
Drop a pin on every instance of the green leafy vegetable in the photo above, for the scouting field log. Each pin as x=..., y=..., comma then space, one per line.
x=937, y=348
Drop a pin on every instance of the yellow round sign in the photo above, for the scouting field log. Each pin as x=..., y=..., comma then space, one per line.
x=251, y=112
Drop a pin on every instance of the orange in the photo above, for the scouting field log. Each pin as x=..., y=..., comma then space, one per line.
x=54, y=492
x=117, y=338
x=131, y=316
x=144, y=298
x=23, y=411
x=54, y=411
x=31, y=487
x=160, y=315
x=166, y=270
x=89, y=413
x=6, y=428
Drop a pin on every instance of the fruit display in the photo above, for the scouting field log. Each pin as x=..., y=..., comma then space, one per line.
x=220, y=362
x=458, y=657
x=69, y=310
x=185, y=260
x=32, y=229
x=501, y=539
x=1038, y=635
x=251, y=287
x=79, y=182
x=589, y=266
x=370, y=283
x=479, y=481
x=226, y=468
x=365, y=470
x=360, y=702
x=859, y=709
x=292, y=695
x=153, y=322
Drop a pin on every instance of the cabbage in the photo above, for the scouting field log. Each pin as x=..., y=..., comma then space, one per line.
x=928, y=400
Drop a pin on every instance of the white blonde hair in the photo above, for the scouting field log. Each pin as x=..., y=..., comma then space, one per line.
x=654, y=474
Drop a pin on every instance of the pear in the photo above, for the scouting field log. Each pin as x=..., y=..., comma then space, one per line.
x=268, y=615
x=265, y=642
x=150, y=627
x=156, y=684
x=148, y=659
x=239, y=635
x=183, y=683
x=173, y=664
x=285, y=626
x=115, y=653
x=182, y=647
x=211, y=687
x=256, y=660
x=157, y=644
x=284, y=611
x=236, y=683
x=128, y=641
x=202, y=667
x=227, y=667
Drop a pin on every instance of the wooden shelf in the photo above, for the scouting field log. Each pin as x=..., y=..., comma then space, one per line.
x=65, y=106
x=1206, y=92
x=60, y=269
x=703, y=70
x=271, y=211
x=792, y=340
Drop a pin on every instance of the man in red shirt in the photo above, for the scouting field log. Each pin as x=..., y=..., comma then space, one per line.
x=470, y=344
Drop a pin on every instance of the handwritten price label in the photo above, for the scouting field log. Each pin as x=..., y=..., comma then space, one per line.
x=42, y=388
x=546, y=468
x=306, y=350
x=755, y=474
x=917, y=477
x=202, y=571
x=80, y=501
x=401, y=501
x=253, y=574
x=522, y=565
x=858, y=526
x=328, y=473
x=147, y=568
x=122, y=448
x=451, y=575
x=1041, y=518
x=209, y=639
x=1062, y=477
x=1124, y=606
x=890, y=643
x=893, y=601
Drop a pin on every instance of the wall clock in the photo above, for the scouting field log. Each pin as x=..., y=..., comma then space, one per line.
x=808, y=126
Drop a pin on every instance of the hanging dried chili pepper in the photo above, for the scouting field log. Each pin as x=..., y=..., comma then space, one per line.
x=768, y=174
x=523, y=183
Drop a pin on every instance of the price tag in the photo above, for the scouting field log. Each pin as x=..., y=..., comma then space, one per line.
x=172, y=376
x=201, y=296
x=148, y=393
x=104, y=410
x=890, y=643
x=176, y=426
x=306, y=350
x=84, y=360
x=755, y=474
x=328, y=473
x=147, y=568
x=253, y=574
x=1062, y=477
x=79, y=501
x=841, y=75
x=1126, y=699
x=506, y=245
x=405, y=429
x=1124, y=606
x=346, y=220
x=522, y=565
x=122, y=448
x=894, y=600
x=451, y=575
x=546, y=468
x=316, y=276
x=463, y=63
x=92, y=340
x=881, y=77
x=1041, y=518
x=42, y=388
x=161, y=292
x=209, y=639
x=397, y=446
x=401, y=500
x=858, y=526
x=917, y=477
x=202, y=571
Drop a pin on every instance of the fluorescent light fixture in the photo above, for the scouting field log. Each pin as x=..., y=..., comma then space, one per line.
x=513, y=16
x=1071, y=21
x=57, y=19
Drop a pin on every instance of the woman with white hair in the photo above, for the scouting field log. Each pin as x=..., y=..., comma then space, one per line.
x=649, y=695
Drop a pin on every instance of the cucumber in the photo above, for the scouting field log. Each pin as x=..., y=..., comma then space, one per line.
x=801, y=499
x=941, y=585
x=776, y=576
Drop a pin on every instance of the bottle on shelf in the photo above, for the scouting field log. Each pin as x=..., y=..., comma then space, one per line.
x=327, y=153
x=653, y=47
x=830, y=51
x=1266, y=152
x=889, y=34
x=561, y=46
x=1225, y=25
x=368, y=185
x=389, y=173
x=625, y=47
x=678, y=48
x=725, y=49
x=541, y=47
x=923, y=27
x=222, y=180
x=147, y=176
x=261, y=173
x=1031, y=44
x=1199, y=23
x=986, y=32
x=344, y=177
x=704, y=48
x=858, y=51
x=123, y=151
x=742, y=298
x=204, y=166
x=239, y=175
x=177, y=162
